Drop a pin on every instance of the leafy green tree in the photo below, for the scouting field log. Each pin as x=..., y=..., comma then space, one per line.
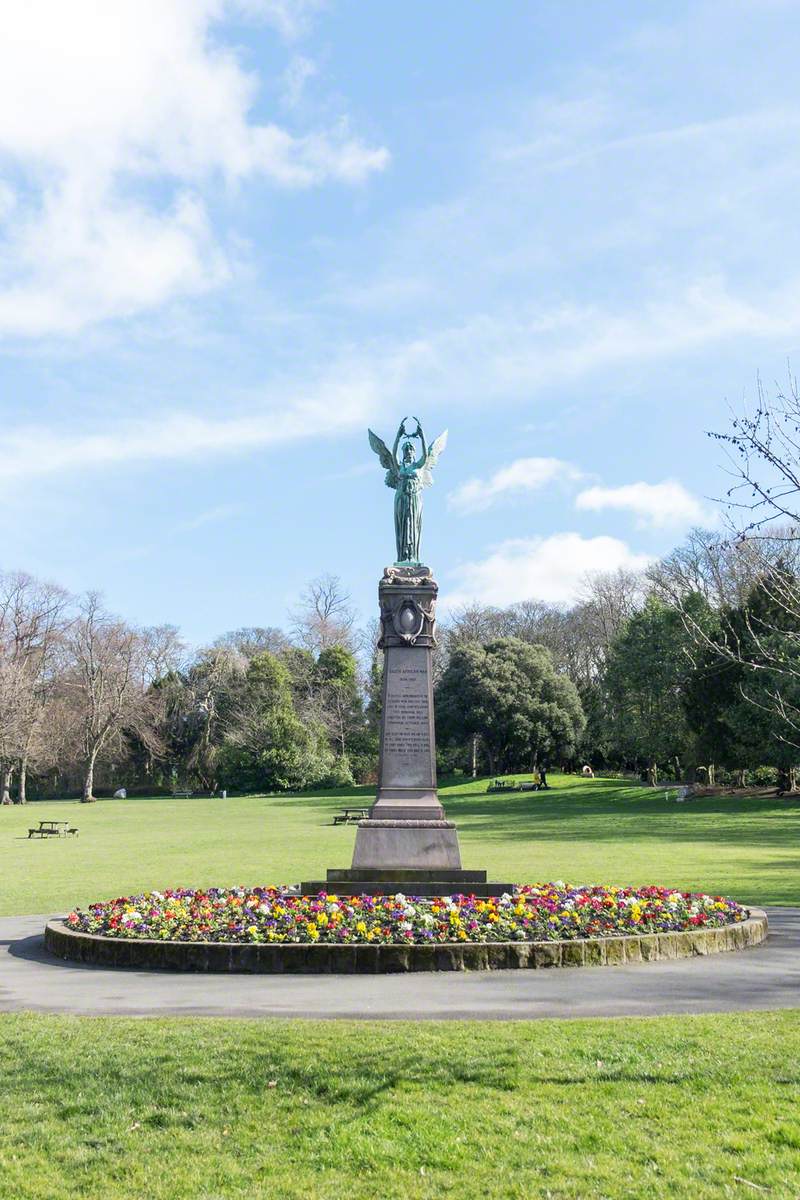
x=267, y=747
x=339, y=706
x=645, y=675
x=508, y=695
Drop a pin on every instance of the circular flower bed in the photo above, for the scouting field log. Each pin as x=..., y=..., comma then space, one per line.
x=545, y=912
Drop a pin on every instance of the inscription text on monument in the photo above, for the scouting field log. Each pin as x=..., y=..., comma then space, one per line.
x=407, y=751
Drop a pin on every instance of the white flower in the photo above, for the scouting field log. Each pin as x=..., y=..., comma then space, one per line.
x=405, y=926
x=399, y=897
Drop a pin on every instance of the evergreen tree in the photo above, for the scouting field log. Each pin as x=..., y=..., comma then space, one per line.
x=508, y=695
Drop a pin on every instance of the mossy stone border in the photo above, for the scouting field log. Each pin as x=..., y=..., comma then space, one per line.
x=363, y=959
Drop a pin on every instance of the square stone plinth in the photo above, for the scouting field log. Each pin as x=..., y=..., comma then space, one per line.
x=389, y=844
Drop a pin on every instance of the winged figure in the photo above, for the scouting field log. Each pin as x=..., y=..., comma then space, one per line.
x=408, y=475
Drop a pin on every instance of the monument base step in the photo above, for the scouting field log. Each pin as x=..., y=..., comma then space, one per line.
x=409, y=874
x=427, y=845
x=352, y=882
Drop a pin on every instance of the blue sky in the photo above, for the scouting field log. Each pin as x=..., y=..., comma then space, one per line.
x=235, y=234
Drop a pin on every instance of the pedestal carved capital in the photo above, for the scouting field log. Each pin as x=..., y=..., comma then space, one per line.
x=407, y=598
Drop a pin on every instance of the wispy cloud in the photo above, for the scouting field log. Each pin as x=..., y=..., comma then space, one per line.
x=294, y=80
x=545, y=568
x=655, y=505
x=741, y=126
x=522, y=475
x=211, y=516
x=334, y=407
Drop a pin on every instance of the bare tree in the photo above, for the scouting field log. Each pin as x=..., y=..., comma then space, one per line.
x=721, y=568
x=32, y=622
x=760, y=556
x=764, y=461
x=325, y=616
x=111, y=668
x=253, y=640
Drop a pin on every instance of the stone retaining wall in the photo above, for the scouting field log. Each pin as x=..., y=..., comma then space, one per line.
x=285, y=958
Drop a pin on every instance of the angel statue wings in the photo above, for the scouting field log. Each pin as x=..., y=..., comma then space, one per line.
x=408, y=475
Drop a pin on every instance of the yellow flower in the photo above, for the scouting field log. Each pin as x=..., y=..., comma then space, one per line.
x=312, y=931
x=361, y=927
x=251, y=929
x=322, y=918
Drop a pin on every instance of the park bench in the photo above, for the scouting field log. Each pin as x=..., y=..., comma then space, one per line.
x=53, y=829
x=350, y=814
x=182, y=793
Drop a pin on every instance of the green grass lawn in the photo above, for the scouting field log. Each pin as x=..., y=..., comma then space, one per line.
x=599, y=830
x=690, y=1109
x=187, y=1109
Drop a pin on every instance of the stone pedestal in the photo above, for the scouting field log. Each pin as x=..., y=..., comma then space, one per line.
x=406, y=826
x=406, y=844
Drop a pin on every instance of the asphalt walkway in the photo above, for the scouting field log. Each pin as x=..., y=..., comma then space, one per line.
x=764, y=977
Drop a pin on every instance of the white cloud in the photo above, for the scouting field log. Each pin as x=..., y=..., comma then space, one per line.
x=544, y=568
x=99, y=103
x=655, y=505
x=522, y=475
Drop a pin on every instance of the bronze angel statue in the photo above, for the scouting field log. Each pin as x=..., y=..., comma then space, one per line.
x=408, y=475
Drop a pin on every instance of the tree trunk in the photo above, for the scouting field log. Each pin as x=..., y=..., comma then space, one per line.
x=652, y=774
x=22, y=796
x=88, y=782
x=712, y=775
x=474, y=756
x=8, y=773
x=792, y=779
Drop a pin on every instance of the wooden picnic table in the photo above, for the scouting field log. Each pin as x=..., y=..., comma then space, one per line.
x=350, y=814
x=53, y=829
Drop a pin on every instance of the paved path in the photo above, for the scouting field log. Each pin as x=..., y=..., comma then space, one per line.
x=766, y=976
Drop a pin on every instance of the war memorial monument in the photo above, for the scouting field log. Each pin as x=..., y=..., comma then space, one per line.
x=407, y=844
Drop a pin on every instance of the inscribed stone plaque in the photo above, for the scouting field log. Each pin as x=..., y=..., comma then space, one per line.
x=407, y=728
